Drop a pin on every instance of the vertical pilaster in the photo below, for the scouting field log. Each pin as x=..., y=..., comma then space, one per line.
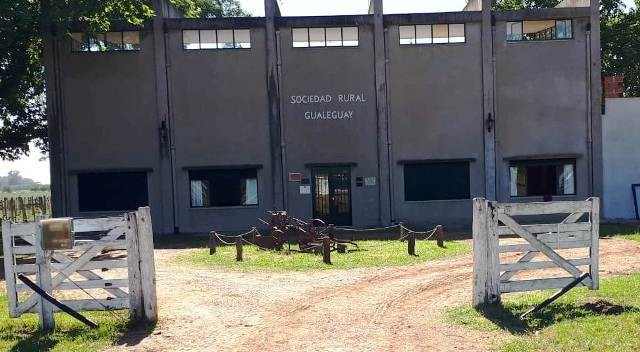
x=166, y=174
x=272, y=11
x=55, y=125
x=596, y=102
x=381, y=109
x=489, y=115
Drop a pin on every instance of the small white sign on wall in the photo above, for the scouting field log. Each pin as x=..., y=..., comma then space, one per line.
x=370, y=181
x=305, y=189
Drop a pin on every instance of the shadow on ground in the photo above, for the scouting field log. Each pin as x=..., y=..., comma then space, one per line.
x=508, y=317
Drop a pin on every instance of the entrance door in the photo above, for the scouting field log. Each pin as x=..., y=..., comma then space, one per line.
x=332, y=195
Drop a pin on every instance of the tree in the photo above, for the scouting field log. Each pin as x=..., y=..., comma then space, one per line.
x=23, y=24
x=620, y=38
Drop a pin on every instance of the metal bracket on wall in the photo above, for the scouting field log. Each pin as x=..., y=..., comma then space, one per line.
x=490, y=121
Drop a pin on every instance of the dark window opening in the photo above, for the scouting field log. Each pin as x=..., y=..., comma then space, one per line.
x=223, y=188
x=436, y=181
x=112, y=191
x=542, y=178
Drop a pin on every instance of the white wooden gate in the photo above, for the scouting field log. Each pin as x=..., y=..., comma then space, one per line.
x=115, y=249
x=497, y=235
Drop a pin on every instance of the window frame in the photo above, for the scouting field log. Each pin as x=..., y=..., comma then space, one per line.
x=309, y=46
x=89, y=38
x=544, y=162
x=521, y=22
x=466, y=162
x=222, y=169
x=415, y=34
x=217, y=48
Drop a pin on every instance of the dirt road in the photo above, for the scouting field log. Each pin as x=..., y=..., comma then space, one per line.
x=392, y=309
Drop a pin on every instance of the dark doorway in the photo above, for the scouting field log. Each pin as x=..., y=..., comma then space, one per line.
x=332, y=195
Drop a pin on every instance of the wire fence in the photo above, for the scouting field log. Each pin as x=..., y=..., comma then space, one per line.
x=24, y=208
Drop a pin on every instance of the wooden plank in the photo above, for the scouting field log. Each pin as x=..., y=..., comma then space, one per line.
x=479, y=234
x=24, y=250
x=508, y=248
x=485, y=255
x=43, y=276
x=536, y=284
x=544, y=208
x=108, y=245
x=518, y=266
x=541, y=228
x=136, y=310
x=84, y=284
x=23, y=229
x=507, y=275
x=595, y=244
x=90, y=275
x=98, y=224
x=577, y=236
x=92, y=265
x=27, y=238
x=147, y=263
x=538, y=245
x=69, y=270
x=94, y=305
x=9, y=274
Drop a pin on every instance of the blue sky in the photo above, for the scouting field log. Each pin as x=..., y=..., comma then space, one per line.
x=38, y=170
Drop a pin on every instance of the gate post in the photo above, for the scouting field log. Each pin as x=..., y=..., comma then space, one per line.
x=147, y=263
x=595, y=243
x=486, y=274
x=43, y=275
x=136, y=311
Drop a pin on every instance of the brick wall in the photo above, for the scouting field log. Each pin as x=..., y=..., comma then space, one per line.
x=613, y=86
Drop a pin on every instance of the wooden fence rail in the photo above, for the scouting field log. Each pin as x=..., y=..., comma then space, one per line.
x=498, y=234
x=129, y=237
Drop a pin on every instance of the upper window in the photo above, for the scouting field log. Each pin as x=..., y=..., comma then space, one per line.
x=223, y=188
x=106, y=41
x=112, y=191
x=432, y=34
x=324, y=37
x=539, y=30
x=436, y=181
x=542, y=178
x=216, y=39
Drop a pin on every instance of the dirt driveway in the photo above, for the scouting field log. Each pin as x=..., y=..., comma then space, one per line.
x=392, y=309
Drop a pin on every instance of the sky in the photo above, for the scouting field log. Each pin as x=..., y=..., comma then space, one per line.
x=35, y=168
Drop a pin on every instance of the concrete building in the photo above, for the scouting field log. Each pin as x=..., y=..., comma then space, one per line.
x=361, y=120
x=620, y=130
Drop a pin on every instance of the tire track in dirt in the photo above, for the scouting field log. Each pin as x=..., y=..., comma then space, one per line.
x=369, y=309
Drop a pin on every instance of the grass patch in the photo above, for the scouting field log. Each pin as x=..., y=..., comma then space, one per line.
x=372, y=254
x=22, y=334
x=629, y=231
x=582, y=320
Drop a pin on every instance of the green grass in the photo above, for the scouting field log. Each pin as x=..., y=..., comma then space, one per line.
x=22, y=334
x=372, y=254
x=568, y=324
x=630, y=231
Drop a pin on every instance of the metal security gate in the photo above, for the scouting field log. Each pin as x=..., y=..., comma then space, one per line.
x=332, y=195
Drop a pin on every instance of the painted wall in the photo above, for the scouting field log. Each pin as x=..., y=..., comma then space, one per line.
x=542, y=104
x=353, y=139
x=219, y=110
x=435, y=109
x=110, y=120
x=621, y=147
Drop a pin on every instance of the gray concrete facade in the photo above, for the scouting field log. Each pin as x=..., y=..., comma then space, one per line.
x=291, y=112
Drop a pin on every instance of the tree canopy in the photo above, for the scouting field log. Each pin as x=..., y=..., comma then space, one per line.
x=22, y=25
